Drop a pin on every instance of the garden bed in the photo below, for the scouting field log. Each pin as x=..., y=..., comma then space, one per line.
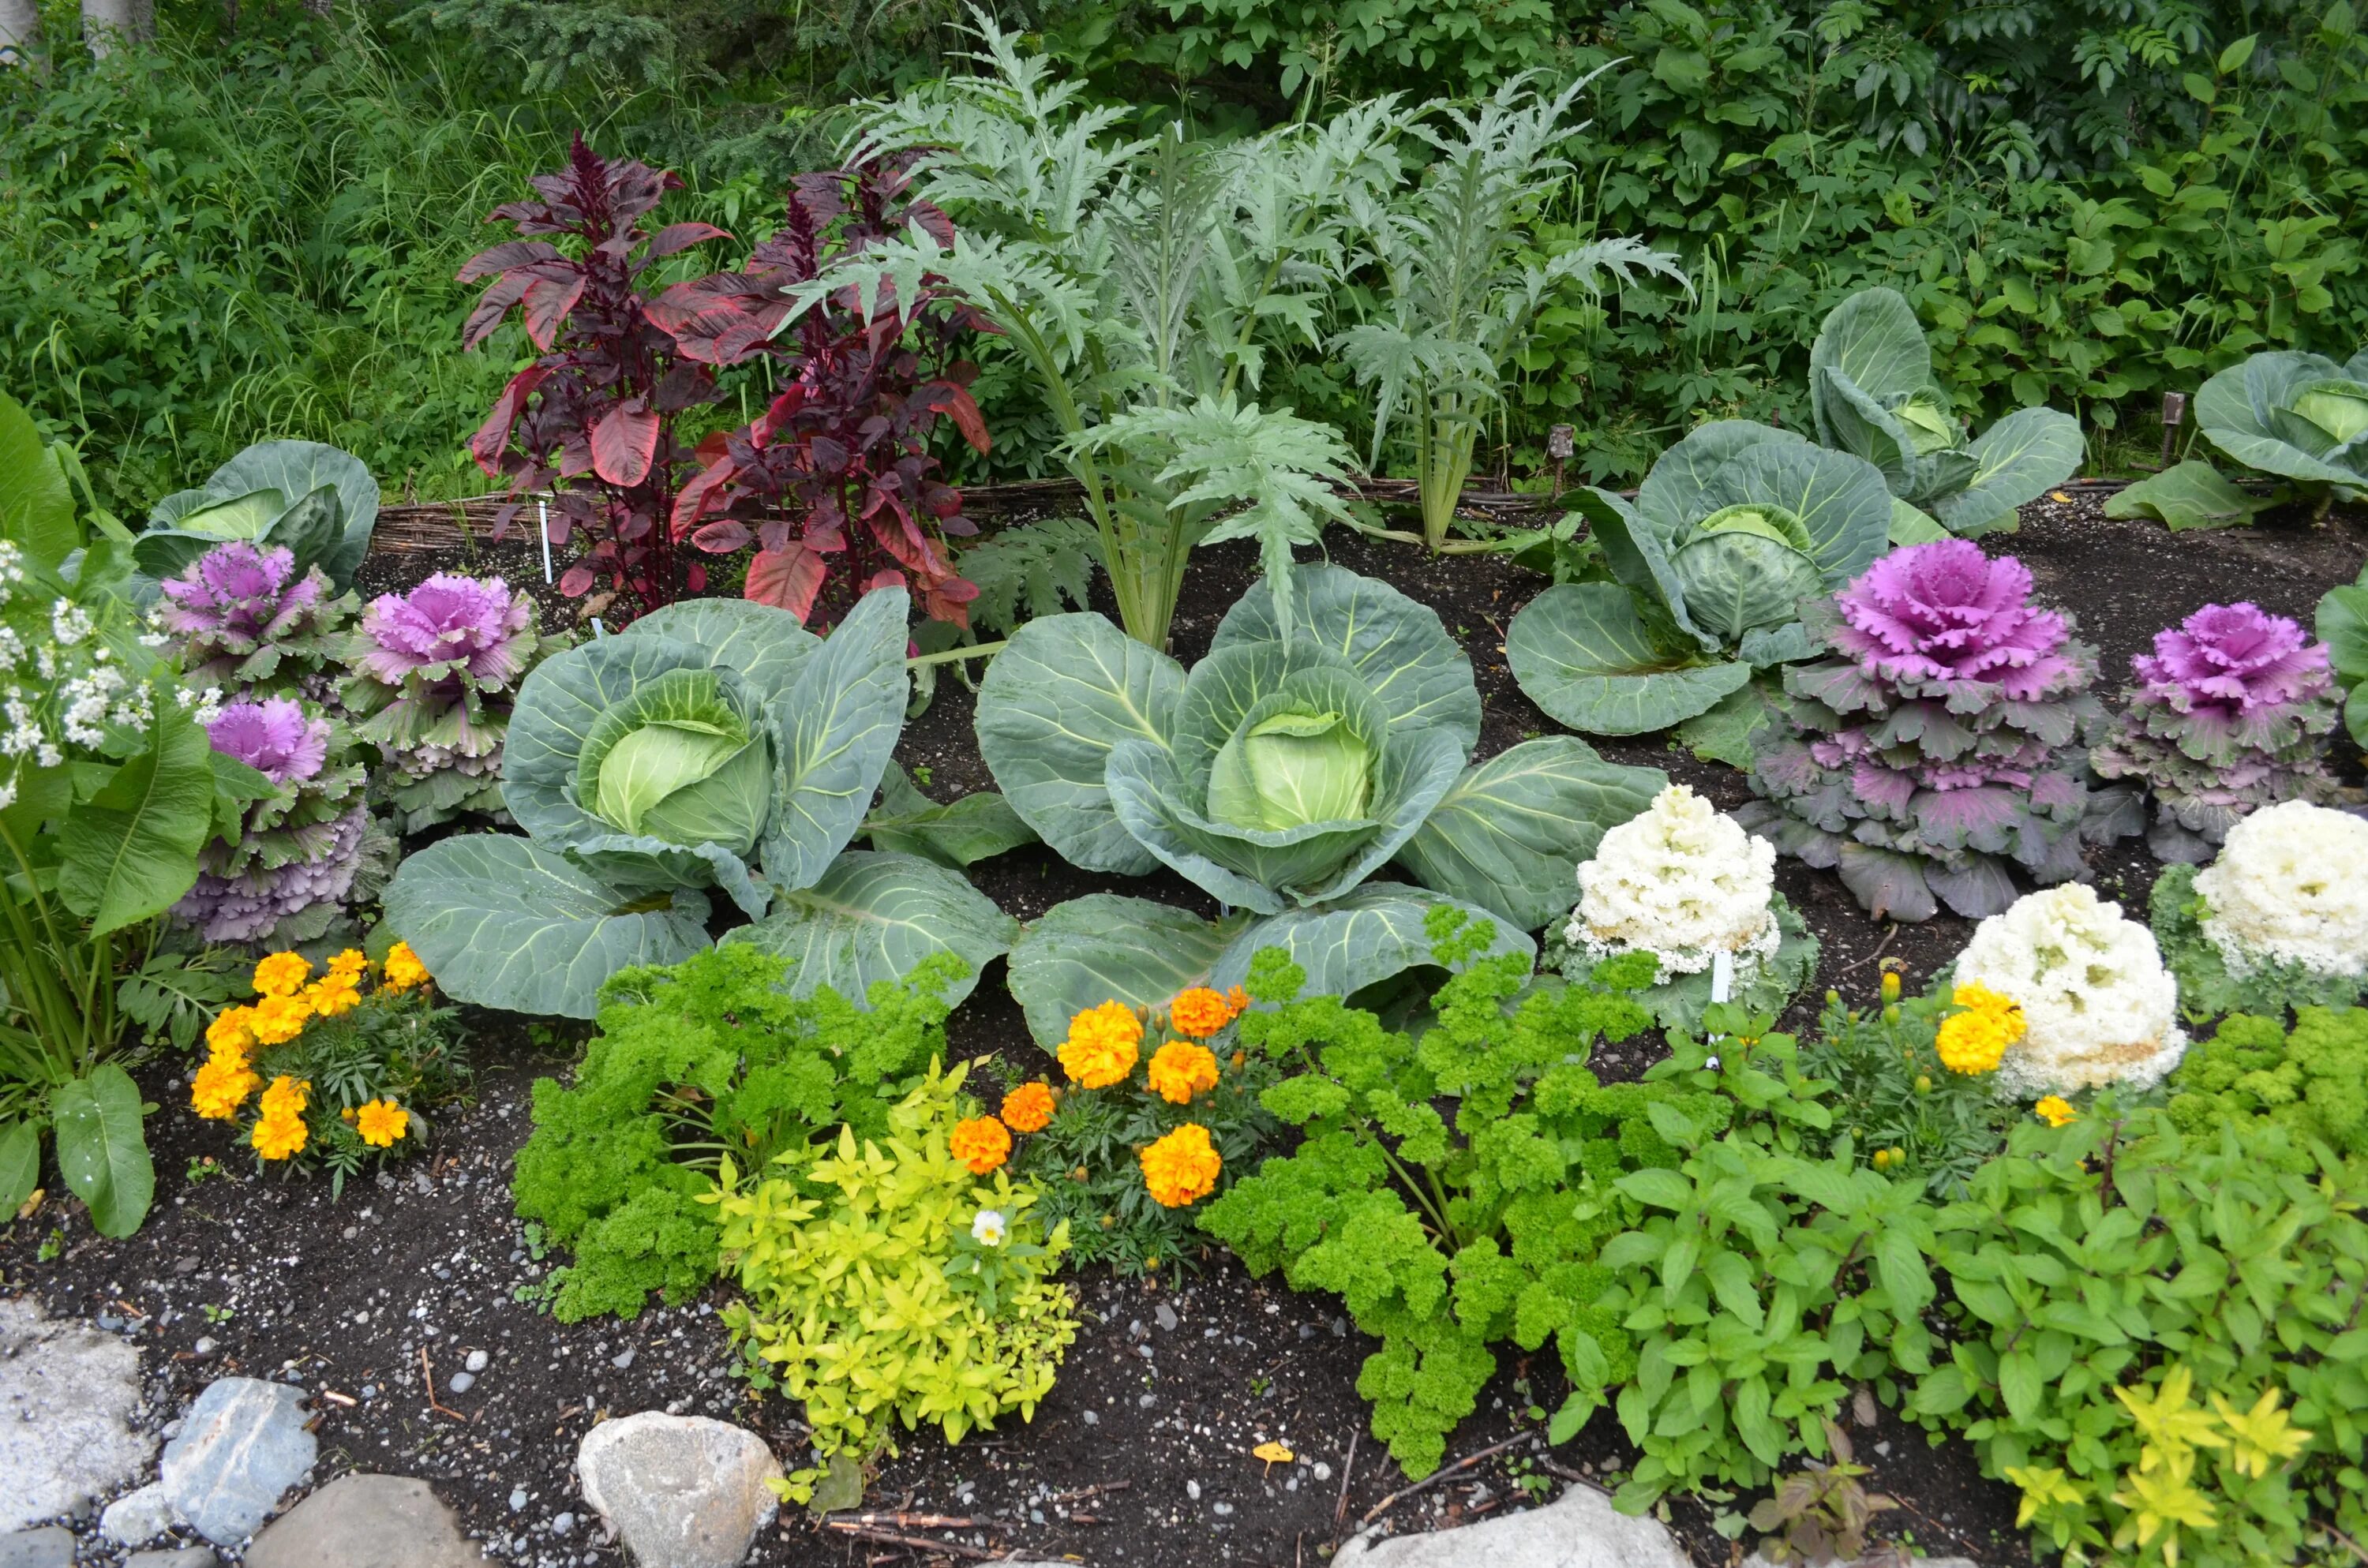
x=1149, y=1431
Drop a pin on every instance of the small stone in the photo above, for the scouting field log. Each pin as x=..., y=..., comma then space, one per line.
x=623, y=1360
x=1883, y=1451
x=461, y=1382
x=683, y=1491
x=1093, y=1418
x=1192, y=1490
x=1323, y=1470
x=52, y=1547
x=1582, y=1530
x=1166, y=1314
x=477, y=1361
x=517, y=1498
x=1221, y=1509
x=67, y=1394
x=137, y=1518
x=204, y=1347
x=366, y=1521
x=562, y=1524
x=1339, y=1328
x=183, y=1557
x=1147, y=1401
x=244, y=1446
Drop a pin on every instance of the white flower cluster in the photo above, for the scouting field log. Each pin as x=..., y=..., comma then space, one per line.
x=12, y=569
x=2098, y=1004
x=2291, y=886
x=1682, y=882
x=78, y=688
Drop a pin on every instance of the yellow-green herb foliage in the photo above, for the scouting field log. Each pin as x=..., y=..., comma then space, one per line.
x=841, y=1254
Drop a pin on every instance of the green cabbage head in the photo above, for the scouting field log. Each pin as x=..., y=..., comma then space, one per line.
x=2296, y=415
x=684, y=759
x=318, y=500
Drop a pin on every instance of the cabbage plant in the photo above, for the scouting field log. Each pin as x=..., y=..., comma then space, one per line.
x=1279, y=776
x=1734, y=527
x=2300, y=417
x=316, y=501
x=715, y=743
x=1872, y=391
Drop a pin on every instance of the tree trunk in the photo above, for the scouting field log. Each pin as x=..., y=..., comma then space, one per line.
x=106, y=24
x=20, y=32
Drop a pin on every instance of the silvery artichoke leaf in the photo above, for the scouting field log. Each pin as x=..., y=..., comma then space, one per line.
x=1362, y=938
x=873, y=917
x=1872, y=343
x=1063, y=693
x=1510, y=834
x=559, y=703
x=1582, y=653
x=764, y=646
x=1397, y=647
x=505, y=922
x=2017, y=461
x=833, y=736
x=640, y=862
x=1109, y=948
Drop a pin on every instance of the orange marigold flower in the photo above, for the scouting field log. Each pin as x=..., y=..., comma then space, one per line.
x=1200, y=1013
x=1182, y=1167
x=278, y=1019
x=1179, y=1070
x=278, y=1137
x=286, y=1096
x=1028, y=1108
x=382, y=1123
x=221, y=1086
x=230, y=1029
x=2055, y=1110
x=1102, y=1045
x=282, y=973
x=1237, y=1001
x=983, y=1144
x=328, y=998
x=404, y=969
x=348, y=967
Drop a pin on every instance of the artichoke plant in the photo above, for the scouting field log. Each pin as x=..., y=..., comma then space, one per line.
x=1872, y=391
x=1278, y=776
x=2300, y=417
x=715, y=743
x=1734, y=527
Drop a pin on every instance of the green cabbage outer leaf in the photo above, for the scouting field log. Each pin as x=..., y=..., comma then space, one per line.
x=1398, y=648
x=679, y=760
x=873, y=917
x=2248, y=411
x=834, y=734
x=1371, y=935
x=2343, y=626
x=2016, y=460
x=1109, y=948
x=1928, y=423
x=1738, y=581
x=764, y=646
x=634, y=863
x=1584, y=655
x=254, y=495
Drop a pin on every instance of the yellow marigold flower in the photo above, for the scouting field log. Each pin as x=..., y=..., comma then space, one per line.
x=1101, y=1047
x=230, y=1029
x=221, y=1086
x=382, y=1123
x=348, y=967
x=1975, y=1040
x=983, y=1144
x=404, y=969
x=1179, y=1070
x=282, y=973
x=1891, y=985
x=1182, y=1167
x=1200, y=1013
x=278, y=1019
x=328, y=998
x=1028, y=1108
x=2055, y=1110
x=278, y=1137
x=286, y=1098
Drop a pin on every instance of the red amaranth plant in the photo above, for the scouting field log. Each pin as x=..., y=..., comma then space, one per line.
x=593, y=418
x=838, y=466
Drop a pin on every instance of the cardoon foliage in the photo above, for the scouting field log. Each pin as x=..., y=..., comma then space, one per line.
x=432, y=675
x=300, y=853
x=1944, y=744
x=241, y=615
x=2227, y=718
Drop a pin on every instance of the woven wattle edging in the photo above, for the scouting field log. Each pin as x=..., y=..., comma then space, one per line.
x=407, y=526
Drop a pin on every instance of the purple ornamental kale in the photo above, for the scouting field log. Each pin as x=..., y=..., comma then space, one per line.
x=293, y=866
x=433, y=675
x=237, y=614
x=2225, y=719
x=1945, y=746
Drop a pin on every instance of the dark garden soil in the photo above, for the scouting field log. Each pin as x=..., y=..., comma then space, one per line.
x=1142, y=1454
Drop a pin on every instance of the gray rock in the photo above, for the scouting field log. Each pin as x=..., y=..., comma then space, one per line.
x=477, y=1361
x=1166, y=1314
x=187, y=1557
x=1581, y=1532
x=461, y=1382
x=1757, y=1561
x=53, y=1546
x=242, y=1446
x=679, y=1491
x=67, y=1394
x=366, y=1521
x=138, y=1517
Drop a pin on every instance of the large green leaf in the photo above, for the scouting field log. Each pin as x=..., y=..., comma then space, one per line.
x=1683, y=486
x=2191, y=495
x=101, y=1151
x=20, y=1165
x=1510, y=835
x=2017, y=461
x=1418, y=673
x=764, y=646
x=1865, y=429
x=1368, y=936
x=636, y=863
x=1910, y=524
x=1066, y=690
x=959, y=833
x=1872, y=340
x=1722, y=732
x=505, y=922
x=873, y=917
x=296, y=469
x=2237, y=409
x=2343, y=626
x=129, y=851
x=37, y=507
x=835, y=734
x=1841, y=500
x=1106, y=947
x=1580, y=652
x=1640, y=552
x=560, y=704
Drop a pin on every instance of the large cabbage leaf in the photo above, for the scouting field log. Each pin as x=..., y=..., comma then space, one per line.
x=1363, y=938
x=1109, y=948
x=2343, y=626
x=2248, y=411
x=875, y=916
x=256, y=495
x=835, y=732
x=1397, y=647
x=764, y=646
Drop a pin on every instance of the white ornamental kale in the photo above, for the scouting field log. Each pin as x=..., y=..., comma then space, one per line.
x=2290, y=887
x=2099, y=1006
x=1682, y=882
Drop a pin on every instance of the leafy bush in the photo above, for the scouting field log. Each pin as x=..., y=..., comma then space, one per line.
x=846, y=1255
x=1945, y=746
x=1897, y=1099
x=1732, y=530
x=238, y=613
x=2313, y=1081
x=1292, y=762
x=2154, y=1337
x=2280, y=918
x=1446, y=1231
x=709, y=1057
x=652, y=765
x=2228, y=717
x=2300, y=417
